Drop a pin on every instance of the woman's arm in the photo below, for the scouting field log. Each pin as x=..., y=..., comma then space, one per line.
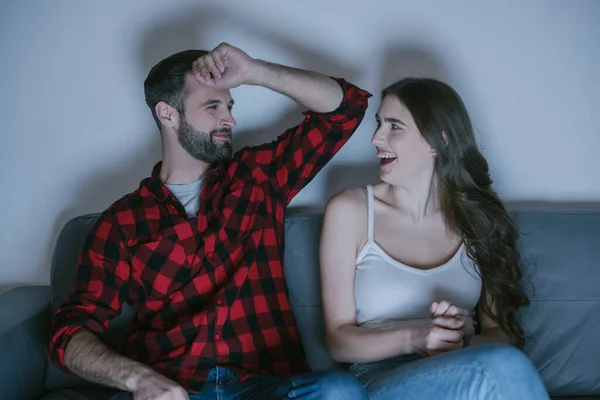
x=345, y=341
x=490, y=330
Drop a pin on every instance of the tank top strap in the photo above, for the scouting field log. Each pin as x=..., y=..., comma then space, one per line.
x=371, y=212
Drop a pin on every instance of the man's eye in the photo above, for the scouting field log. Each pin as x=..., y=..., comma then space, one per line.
x=212, y=107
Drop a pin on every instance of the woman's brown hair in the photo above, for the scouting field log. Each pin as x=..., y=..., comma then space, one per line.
x=470, y=206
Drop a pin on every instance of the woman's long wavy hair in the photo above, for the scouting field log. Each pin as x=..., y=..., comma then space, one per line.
x=470, y=206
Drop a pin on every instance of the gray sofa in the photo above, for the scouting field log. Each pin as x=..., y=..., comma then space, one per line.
x=560, y=250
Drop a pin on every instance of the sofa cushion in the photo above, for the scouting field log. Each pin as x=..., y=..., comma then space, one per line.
x=561, y=252
x=301, y=268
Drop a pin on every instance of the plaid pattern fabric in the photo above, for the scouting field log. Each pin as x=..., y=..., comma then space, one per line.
x=208, y=290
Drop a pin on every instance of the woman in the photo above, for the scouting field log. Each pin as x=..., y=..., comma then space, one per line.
x=408, y=263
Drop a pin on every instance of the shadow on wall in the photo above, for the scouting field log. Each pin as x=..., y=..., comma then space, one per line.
x=397, y=63
x=99, y=190
x=345, y=176
x=179, y=33
x=186, y=33
x=411, y=61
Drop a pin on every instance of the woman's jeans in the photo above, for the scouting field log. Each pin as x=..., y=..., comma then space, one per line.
x=486, y=371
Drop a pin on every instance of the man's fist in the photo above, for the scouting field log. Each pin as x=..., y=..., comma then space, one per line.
x=224, y=67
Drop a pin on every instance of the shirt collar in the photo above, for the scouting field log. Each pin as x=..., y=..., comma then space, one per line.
x=160, y=191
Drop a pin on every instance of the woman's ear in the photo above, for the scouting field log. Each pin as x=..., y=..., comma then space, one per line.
x=445, y=137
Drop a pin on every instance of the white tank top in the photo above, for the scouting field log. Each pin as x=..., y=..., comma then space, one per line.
x=385, y=289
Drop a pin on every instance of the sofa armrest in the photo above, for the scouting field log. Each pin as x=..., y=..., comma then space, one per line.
x=24, y=331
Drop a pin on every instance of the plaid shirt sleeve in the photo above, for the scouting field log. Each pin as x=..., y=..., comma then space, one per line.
x=299, y=153
x=99, y=292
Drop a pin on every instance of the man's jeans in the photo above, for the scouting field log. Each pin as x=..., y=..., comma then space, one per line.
x=222, y=384
x=486, y=371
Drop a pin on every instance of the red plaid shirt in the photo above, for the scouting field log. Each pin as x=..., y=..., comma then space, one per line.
x=209, y=290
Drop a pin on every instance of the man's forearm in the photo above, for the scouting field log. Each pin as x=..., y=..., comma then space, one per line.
x=87, y=356
x=310, y=89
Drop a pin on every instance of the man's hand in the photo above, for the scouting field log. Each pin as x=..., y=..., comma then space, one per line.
x=154, y=386
x=225, y=67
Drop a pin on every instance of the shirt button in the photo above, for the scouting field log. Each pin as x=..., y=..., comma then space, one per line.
x=219, y=302
x=210, y=254
x=217, y=337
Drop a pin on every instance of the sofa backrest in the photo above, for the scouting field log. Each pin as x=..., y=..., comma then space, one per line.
x=560, y=251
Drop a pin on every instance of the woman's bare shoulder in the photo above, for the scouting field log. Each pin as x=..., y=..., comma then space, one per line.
x=347, y=200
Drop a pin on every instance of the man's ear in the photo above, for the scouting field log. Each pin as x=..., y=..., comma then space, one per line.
x=166, y=114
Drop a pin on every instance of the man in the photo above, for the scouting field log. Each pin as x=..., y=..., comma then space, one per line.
x=197, y=250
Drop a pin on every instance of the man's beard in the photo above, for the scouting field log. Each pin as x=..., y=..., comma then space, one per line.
x=200, y=145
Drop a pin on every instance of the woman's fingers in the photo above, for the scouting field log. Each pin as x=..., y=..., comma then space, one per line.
x=448, y=322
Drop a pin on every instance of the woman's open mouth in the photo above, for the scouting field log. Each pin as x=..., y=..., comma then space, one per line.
x=386, y=158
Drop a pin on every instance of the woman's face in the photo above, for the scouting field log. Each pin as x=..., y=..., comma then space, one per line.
x=404, y=154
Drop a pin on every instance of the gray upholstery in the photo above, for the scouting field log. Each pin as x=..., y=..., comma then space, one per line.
x=24, y=329
x=301, y=261
x=560, y=259
x=561, y=252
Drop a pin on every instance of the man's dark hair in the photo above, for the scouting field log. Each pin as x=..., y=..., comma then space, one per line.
x=166, y=80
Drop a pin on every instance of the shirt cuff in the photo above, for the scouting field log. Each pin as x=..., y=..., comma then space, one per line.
x=354, y=100
x=62, y=337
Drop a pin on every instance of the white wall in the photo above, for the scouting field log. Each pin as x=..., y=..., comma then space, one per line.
x=76, y=134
